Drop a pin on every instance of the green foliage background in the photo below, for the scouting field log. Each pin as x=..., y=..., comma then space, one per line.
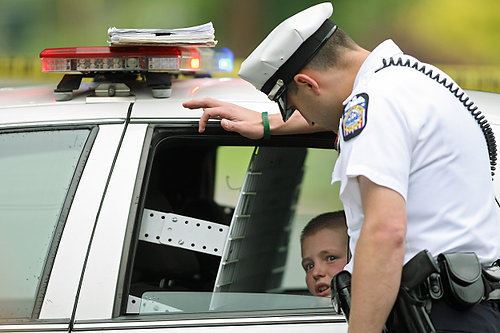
x=443, y=31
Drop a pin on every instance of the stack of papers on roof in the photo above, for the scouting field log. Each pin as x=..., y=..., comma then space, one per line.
x=200, y=35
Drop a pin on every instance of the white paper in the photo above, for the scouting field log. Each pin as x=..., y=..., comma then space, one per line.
x=201, y=34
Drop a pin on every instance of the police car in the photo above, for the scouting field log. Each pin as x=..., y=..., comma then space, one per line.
x=117, y=215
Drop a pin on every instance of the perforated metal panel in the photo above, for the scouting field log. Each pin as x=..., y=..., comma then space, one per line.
x=183, y=231
x=133, y=304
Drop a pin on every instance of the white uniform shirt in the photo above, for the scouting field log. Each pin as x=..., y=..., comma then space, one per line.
x=420, y=141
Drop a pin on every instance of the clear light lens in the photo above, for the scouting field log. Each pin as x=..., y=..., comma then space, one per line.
x=164, y=63
x=56, y=65
x=100, y=64
x=225, y=64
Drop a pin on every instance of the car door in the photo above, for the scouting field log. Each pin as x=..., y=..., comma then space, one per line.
x=52, y=178
x=52, y=182
x=168, y=171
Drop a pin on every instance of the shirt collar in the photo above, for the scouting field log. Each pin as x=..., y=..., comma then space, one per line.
x=374, y=60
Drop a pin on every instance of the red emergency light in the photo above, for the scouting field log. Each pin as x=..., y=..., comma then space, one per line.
x=122, y=58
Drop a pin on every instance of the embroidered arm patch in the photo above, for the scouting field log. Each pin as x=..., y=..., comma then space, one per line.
x=355, y=116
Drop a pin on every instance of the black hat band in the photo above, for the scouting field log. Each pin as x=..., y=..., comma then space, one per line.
x=301, y=57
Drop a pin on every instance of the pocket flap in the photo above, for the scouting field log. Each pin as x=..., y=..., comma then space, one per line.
x=463, y=266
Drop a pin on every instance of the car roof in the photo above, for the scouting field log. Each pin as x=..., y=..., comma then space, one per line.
x=35, y=105
x=30, y=105
x=233, y=90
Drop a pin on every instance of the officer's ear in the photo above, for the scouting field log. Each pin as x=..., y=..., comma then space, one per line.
x=307, y=82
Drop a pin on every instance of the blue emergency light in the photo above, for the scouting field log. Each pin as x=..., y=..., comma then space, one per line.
x=225, y=61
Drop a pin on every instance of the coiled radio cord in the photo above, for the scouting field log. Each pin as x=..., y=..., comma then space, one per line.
x=458, y=93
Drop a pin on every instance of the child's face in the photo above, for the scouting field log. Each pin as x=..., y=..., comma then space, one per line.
x=323, y=256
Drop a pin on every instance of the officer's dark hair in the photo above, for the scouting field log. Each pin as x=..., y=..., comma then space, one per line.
x=331, y=220
x=329, y=55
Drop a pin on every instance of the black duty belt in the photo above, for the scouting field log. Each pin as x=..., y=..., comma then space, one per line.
x=458, y=278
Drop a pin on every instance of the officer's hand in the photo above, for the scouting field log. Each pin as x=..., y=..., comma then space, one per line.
x=234, y=118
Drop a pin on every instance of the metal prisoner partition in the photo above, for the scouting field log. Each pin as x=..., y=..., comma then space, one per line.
x=256, y=247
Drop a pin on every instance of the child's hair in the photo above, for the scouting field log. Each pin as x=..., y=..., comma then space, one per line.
x=332, y=220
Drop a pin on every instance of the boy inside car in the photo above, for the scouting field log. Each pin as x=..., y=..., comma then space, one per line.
x=324, y=245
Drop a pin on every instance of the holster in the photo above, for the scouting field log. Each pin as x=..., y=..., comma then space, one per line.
x=410, y=313
x=462, y=281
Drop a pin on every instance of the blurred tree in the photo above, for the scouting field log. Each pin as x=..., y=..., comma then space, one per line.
x=455, y=31
x=445, y=31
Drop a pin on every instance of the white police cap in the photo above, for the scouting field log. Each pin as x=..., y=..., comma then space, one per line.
x=286, y=50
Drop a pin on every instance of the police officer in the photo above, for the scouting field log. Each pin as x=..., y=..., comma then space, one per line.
x=414, y=166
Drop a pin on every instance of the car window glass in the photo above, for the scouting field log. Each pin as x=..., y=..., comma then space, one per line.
x=219, y=235
x=36, y=169
x=230, y=173
x=189, y=302
x=317, y=196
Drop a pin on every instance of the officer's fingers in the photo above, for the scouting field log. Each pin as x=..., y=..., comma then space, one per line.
x=202, y=103
x=203, y=122
x=208, y=113
x=195, y=104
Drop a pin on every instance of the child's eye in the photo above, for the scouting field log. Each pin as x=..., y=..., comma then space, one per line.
x=308, y=267
x=331, y=258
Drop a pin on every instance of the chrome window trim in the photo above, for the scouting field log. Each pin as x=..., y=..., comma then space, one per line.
x=35, y=327
x=48, y=124
x=145, y=322
x=170, y=121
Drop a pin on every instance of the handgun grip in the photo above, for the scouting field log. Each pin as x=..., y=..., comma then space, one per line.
x=418, y=269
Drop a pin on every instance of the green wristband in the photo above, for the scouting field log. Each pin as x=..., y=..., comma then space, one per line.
x=267, y=129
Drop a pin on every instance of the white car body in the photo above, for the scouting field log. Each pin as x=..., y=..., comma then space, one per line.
x=84, y=276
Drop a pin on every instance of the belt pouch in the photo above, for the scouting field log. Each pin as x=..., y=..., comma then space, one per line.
x=461, y=274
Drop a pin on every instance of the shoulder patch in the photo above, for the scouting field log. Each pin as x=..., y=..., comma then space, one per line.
x=355, y=116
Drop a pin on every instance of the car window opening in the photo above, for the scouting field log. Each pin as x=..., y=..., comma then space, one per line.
x=231, y=256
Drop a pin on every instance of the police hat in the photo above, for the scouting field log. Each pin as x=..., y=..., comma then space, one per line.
x=286, y=50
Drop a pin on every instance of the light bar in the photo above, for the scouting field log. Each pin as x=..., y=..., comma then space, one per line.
x=125, y=59
x=225, y=60
x=217, y=60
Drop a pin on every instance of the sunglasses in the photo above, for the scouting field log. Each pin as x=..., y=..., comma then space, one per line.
x=279, y=95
